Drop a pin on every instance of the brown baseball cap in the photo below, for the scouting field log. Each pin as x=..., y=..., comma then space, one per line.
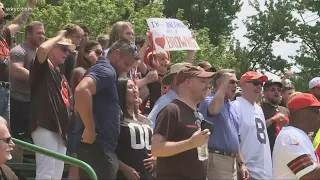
x=207, y=66
x=192, y=71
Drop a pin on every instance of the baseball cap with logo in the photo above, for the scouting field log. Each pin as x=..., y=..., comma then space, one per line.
x=174, y=69
x=207, y=66
x=252, y=75
x=315, y=82
x=301, y=101
x=4, y=15
x=192, y=71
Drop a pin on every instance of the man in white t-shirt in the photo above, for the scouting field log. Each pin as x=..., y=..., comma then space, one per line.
x=254, y=141
x=293, y=154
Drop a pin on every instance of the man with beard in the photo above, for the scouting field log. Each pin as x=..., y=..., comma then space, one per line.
x=276, y=116
x=314, y=87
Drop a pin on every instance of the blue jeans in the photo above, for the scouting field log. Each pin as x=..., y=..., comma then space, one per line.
x=74, y=135
x=5, y=104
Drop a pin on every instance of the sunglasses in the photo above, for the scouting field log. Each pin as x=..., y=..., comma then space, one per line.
x=65, y=49
x=99, y=52
x=233, y=82
x=256, y=83
x=7, y=140
x=274, y=89
x=315, y=110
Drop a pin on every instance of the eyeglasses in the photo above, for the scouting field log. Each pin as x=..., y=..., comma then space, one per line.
x=274, y=89
x=6, y=140
x=255, y=83
x=233, y=82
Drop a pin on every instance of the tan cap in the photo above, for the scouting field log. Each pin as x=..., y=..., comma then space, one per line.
x=67, y=42
x=174, y=69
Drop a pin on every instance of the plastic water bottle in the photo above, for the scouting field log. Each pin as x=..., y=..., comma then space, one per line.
x=203, y=152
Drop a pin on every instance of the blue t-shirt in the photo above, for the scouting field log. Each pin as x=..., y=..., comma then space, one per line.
x=225, y=136
x=105, y=104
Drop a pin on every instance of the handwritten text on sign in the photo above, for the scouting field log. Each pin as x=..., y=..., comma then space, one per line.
x=171, y=35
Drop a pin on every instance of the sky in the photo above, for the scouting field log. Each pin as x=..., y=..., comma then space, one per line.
x=282, y=48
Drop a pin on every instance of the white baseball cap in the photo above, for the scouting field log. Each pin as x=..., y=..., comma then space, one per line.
x=315, y=82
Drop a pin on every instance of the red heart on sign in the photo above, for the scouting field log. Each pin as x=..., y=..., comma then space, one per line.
x=161, y=41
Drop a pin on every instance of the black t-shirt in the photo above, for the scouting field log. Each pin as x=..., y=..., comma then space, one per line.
x=50, y=98
x=177, y=122
x=134, y=145
x=274, y=129
x=5, y=44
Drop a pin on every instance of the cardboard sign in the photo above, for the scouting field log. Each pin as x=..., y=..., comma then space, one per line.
x=171, y=35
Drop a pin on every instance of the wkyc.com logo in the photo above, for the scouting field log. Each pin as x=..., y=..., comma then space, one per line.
x=18, y=9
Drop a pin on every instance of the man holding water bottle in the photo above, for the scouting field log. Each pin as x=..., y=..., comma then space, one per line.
x=179, y=142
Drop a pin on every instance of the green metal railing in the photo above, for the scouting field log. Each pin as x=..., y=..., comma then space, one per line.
x=67, y=159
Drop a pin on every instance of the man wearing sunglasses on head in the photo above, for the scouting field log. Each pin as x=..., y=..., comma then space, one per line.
x=224, y=143
x=276, y=116
x=50, y=104
x=254, y=141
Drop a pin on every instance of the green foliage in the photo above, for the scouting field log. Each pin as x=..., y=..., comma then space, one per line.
x=278, y=23
x=216, y=15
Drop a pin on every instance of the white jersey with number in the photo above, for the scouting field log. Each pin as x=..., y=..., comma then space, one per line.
x=293, y=154
x=254, y=141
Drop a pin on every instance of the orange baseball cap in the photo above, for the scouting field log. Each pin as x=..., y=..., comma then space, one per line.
x=252, y=75
x=303, y=100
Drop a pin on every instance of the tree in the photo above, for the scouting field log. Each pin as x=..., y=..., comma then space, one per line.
x=216, y=15
x=285, y=21
x=99, y=15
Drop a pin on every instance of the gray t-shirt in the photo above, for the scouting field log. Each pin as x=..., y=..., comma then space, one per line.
x=20, y=90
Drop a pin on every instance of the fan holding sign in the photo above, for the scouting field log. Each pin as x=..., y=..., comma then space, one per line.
x=171, y=35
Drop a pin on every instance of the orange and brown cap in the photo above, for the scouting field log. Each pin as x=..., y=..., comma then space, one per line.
x=192, y=71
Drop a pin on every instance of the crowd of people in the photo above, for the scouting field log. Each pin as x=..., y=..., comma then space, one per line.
x=130, y=113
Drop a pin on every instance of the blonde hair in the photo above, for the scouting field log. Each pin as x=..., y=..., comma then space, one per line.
x=292, y=95
x=117, y=31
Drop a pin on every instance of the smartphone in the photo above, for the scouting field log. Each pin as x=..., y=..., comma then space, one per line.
x=207, y=125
